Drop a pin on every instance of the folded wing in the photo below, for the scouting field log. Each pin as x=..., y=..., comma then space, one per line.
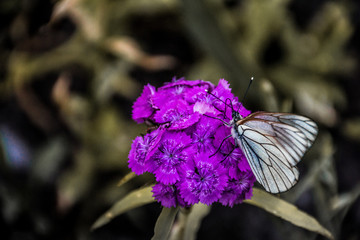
x=273, y=144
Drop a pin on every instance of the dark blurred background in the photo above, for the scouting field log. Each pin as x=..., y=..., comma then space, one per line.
x=70, y=70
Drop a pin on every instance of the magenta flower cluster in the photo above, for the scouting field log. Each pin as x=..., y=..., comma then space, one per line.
x=185, y=131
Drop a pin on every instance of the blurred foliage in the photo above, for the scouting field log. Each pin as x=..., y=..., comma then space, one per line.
x=70, y=70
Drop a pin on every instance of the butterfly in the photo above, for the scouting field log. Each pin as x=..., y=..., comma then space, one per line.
x=273, y=144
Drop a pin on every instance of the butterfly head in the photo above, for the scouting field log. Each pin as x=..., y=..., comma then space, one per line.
x=236, y=116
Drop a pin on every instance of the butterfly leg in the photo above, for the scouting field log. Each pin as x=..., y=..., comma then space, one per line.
x=220, y=146
x=225, y=123
x=225, y=117
x=228, y=154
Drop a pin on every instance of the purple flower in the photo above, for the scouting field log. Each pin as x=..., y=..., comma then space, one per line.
x=165, y=194
x=137, y=155
x=143, y=107
x=202, y=180
x=238, y=189
x=223, y=90
x=168, y=195
x=179, y=89
x=139, y=149
x=202, y=134
x=189, y=152
x=195, y=94
x=178, y=114
x=173, y=150
x=205, y=104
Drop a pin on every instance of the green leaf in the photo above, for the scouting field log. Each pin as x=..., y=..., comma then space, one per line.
x=197, y=214
x=287, y=211
x=133, y=200
x=126, y=178
x=164, y=223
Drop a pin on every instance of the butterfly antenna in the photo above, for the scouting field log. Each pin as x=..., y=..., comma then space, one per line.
x=217, y=98
x=230, y=103
x=247, y=89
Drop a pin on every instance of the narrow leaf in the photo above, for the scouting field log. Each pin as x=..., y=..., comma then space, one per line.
x=287, y=211
x=126, y=178
x=197, y=214
x=164, y=223
x=133, y=200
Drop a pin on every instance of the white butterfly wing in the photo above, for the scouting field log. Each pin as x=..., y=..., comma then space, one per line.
x=304, y=124
x=273, y=144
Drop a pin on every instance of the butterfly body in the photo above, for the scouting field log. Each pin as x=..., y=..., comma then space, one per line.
x=273, y=144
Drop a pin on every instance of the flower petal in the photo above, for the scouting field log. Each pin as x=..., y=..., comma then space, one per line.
x=143, y=107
